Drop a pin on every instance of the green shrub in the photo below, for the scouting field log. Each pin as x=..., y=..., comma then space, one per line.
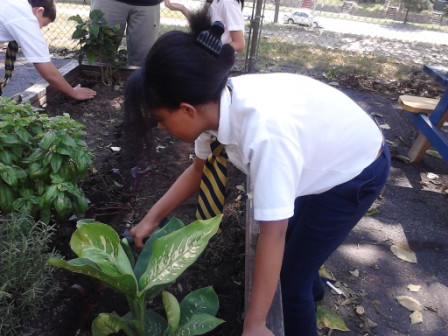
x=100, y=42
x=25, y=278
x=41, y=161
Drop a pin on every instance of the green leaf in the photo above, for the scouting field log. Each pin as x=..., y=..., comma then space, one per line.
x=106, y=324
x=8, y=174
x=124, y=283
x=155, y=325
x=127, y=249
x=48, y=139
x=56, y=162
x=77, y=18
x=174, y=253
x=200, y=301
x=198, y=325
x=63, y=205
x=143, y=260
x=172, y=310
x=327, y=318
x=100, y=243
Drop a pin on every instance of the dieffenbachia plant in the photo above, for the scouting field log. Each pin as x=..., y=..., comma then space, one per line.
x=165, y=256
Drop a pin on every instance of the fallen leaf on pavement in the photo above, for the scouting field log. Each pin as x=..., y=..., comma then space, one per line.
x=368, y=322
x=326, y=274
x=360, y=310
x=327, y=318
x=416, y=317
x=404, y=253
x=414, y=288
x=409, y=303
x=355, y=273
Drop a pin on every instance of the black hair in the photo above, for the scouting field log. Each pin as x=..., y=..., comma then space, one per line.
x=177, y=69
x=49, y=7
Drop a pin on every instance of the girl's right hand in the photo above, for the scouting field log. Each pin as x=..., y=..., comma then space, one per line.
x=143, y=230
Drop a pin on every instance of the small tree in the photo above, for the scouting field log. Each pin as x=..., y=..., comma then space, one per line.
x=100, y=42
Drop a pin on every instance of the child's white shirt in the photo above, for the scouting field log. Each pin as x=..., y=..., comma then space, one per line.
x=293, y=136
x=17, y=22
x=230, y=14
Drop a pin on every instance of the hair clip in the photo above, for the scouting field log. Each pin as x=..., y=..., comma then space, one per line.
x=211, y=39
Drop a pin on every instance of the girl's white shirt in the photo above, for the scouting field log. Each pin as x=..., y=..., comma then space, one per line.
x=230, y=14
x=293, y=136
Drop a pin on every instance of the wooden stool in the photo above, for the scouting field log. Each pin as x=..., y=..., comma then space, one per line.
x=416, y=104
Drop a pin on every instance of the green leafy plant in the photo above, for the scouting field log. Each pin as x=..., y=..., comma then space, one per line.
x=41, y=161
x=165, y=256
x=26, y=280
x=100, y=42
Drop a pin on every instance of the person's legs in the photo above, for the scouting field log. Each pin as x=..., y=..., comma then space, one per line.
x=114, y=12
x=319, y=225
x=141, y=32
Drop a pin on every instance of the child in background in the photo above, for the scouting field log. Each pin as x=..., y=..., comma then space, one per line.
x=226, y=11
x=21, y=21
x=316, y=162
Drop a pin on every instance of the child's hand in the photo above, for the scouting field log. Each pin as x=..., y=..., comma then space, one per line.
x=81, y=93
x=143, y=230
x=177, y=7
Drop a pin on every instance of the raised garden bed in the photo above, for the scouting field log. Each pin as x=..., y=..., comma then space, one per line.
x=121, y=204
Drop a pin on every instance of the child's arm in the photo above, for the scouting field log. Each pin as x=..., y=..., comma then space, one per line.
x=183, y=188
x=51, y=74
x=178, y=7
x=268, y=262
x=238, y=41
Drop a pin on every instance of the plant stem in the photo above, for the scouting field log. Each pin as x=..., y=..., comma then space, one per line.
x=137, y=305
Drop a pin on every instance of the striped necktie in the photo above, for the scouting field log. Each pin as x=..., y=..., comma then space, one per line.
x=213, y=183
x=10, y=58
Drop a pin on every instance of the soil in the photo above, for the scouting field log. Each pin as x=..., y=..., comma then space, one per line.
x=412, y=211
x=121, y=203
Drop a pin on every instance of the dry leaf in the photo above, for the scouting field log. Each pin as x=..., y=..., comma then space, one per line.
x=323, y=272
x=433, y=153
x=414, y=288
x=355, y=273
x=374, y=209
x=385, y=126
x=416, y=317
x=327, y=318
x=241, y=188
x=409, y=303
x=360, y=310
x=403, y=158
x=404, y=253
x=368, y=322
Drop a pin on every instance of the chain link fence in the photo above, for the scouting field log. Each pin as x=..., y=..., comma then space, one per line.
x=301, y=33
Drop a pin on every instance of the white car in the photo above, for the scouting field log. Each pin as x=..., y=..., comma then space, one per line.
x=301, y=17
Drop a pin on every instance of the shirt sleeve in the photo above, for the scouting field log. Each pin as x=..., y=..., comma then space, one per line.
x=29, y=37
x=276, y=165
x=233, y=16
x=202, y=146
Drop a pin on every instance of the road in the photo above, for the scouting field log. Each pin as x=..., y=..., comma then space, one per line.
x=373, y=28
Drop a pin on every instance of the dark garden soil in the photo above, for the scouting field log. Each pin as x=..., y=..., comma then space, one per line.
x=412, y=211
x=120, y=202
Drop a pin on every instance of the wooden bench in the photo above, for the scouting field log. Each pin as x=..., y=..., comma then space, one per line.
x=426, y=106
x=275, y=317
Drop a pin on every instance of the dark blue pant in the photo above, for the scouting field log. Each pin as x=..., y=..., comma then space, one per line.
x=319, y=225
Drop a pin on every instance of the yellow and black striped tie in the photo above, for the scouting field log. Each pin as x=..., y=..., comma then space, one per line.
x=10, y=58
x=213, y=183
